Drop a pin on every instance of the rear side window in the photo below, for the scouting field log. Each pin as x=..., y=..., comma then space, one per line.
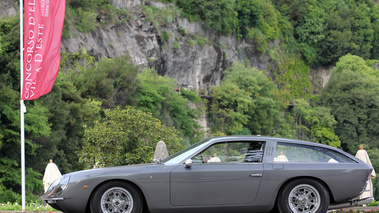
x=297, y=153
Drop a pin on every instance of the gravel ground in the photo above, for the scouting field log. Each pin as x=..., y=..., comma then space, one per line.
x=361, y=209
x=355, y=209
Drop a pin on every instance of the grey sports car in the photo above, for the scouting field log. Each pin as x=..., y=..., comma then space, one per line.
x=223, y=174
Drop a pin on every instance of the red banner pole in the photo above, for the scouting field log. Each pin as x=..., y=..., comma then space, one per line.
x=22, y=107
x=42, y=22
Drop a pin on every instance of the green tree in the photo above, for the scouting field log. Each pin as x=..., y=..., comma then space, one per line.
x=352, y=94
x=36, y=126
x=315, y=124
x=373, y=153
x=246, y=98
x=112, y=81
x=348, y=28
x=68, y=112
x=362, y=29
x=258, y=17
x=310, y=33
x=36, y=121
x=375, y=26
x=157, y=95
x=295, y=9
x=10, y=45
x=126, y=136
x=219, y=15
x=325, y=30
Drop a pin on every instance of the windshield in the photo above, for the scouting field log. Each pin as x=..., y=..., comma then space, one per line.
x=185, y=150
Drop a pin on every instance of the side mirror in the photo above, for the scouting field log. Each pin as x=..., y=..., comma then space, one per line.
x=188, y=163
x=157, y=161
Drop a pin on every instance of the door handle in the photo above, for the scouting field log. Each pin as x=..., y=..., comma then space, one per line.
x=256, y=175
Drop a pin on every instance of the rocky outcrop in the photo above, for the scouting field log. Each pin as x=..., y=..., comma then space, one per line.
x=9, y=8
x=319, y=77
x=182, y=56
x=125, y=4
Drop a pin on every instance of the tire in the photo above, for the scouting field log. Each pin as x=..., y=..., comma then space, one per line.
x=117, y=197
x=303, y=196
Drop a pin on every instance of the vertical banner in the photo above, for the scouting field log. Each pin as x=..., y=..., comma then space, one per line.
x=43, y=25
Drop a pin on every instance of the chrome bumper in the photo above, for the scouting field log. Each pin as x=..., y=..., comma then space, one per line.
x=51, y=200
x=352, y=203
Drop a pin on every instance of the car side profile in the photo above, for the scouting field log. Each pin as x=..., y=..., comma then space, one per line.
x=222, y=174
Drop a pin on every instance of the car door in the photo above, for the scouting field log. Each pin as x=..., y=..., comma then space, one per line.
x=224, y=174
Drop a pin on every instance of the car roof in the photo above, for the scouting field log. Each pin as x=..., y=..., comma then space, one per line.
x=267, y=138
x=213, y=140
x=255, y=138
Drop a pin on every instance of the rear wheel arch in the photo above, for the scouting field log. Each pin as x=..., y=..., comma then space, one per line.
x=305, y=178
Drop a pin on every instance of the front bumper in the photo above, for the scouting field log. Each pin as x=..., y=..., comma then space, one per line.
x=52, y=200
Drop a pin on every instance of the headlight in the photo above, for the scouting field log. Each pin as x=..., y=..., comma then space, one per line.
x=59, y=185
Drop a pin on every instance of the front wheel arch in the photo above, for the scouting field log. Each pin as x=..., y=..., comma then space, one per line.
x=141, y=195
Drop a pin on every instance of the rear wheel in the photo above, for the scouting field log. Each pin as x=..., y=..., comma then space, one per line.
x=303, y=196
x=116, y=197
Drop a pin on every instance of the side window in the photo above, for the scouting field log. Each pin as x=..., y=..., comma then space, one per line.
x=297, y=153
x=238, y=152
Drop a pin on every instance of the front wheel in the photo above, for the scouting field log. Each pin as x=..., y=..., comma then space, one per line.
x=116, y=197
x=303, y=195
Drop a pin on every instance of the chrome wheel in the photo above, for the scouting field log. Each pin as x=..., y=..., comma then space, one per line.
x=304, y=198
x=117, y=200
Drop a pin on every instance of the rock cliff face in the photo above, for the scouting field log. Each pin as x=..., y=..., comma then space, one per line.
x=188, y=62
x=319, y=77
x=9, y=8
x=180, y=57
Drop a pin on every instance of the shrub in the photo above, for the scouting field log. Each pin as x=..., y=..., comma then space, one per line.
x=176, y=45
x=165, y=35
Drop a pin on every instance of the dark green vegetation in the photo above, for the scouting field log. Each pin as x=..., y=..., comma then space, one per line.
x=96, y=106
x=322, y=30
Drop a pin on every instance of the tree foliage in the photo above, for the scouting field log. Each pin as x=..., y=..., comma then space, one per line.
x=68, y=112
x=373, y=153
x=112, y=81
x=261, y=15
x=292, y=79
x=322, y=30
x=375, y=25
x=36, y=120
x=158, y=96
x=219, y=15
x=352, y=94
x=327, y=30
x=315, y=123
x=126, y=136
x=246, y=99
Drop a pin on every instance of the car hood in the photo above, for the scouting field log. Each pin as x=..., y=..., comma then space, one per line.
x=115, y=171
